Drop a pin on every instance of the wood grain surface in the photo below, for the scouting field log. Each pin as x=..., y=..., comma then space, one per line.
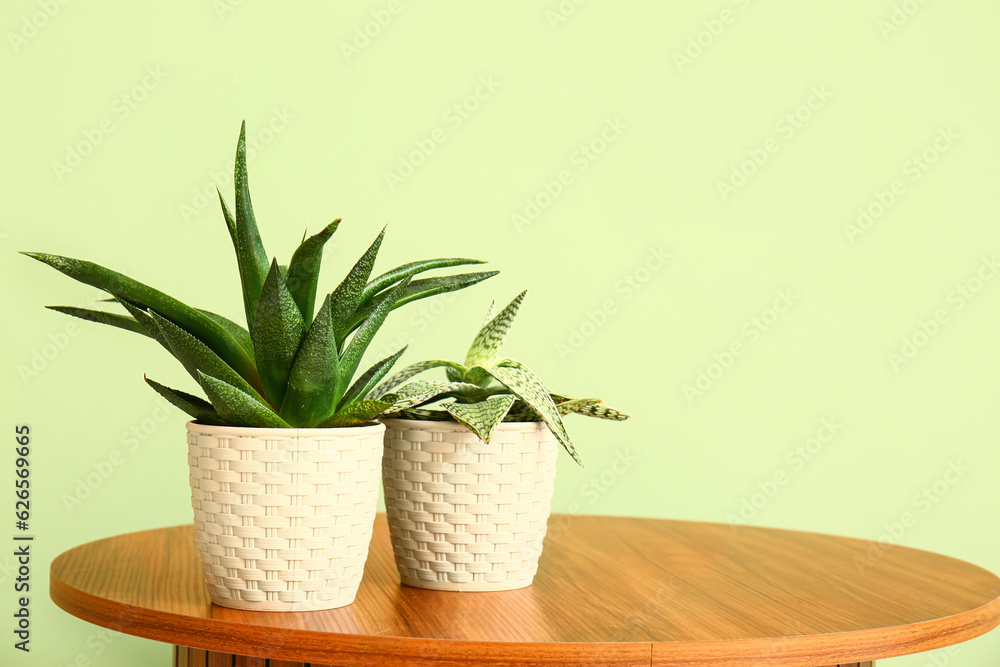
x=609, y=591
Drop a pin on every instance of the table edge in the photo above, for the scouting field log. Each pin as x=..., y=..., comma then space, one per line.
x=317, y=646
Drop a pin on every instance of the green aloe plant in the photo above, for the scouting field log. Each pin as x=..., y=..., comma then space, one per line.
x=287, y=368
x=487, y=389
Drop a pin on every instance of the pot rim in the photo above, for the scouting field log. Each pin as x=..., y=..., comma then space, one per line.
x=373, y=428
x=452, y=425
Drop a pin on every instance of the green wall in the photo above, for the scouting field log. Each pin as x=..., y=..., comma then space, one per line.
x=766, y=229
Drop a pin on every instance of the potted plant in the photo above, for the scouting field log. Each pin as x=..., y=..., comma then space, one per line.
x=468, y=483
x=285, y=453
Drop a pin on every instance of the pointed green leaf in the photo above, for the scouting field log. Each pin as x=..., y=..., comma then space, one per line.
x=491, y=337
x=190, y=319
x=238, y=408
x=529, y=388
x=112, y=319
x=146, y=321
x=196, y=356
x=392, y=277
x=367, y=381
x=359, y=343
x=414, y=369
x=277, y=333
x=227, y=215
x=482, y=417
x=347, y=297
x=303, y=270
x=421, y=289
x=250, y=255
x=312, y=383
x=238, y=333
x=195, y=406
x=357, y=413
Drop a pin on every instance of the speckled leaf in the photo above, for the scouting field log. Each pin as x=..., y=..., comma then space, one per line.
x=481, y=418
x=590, y=407
x=491, y=312
x=303, y=270
x=347, y=297
x=415, y=369
x=236, y=407
x=367, y=380
x=312, y=383
x=576, y=405
x=190, y=319
x=196, y=356
x=418, y=392
x=195, y=406
x=250, y=255
x=112, y=319
x=602, y=411
x=529, y=388
x=491, y=337
x=566, y=406
x=521, y=411
x=478, y=375
x=356, y=413
x=423, y=414
x=277, y=333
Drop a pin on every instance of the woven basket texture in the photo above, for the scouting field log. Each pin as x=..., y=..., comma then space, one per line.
x=465, y=515
x=283, y=516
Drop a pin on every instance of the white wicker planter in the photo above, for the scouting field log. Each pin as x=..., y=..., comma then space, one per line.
x=465, y=515
x=284, y=516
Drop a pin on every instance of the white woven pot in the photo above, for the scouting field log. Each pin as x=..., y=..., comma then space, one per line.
x=465, y=515
x=284, y=516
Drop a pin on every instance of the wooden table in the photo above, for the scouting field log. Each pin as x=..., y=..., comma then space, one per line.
x=609, y=591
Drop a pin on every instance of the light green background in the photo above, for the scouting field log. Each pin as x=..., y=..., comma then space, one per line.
x=557, y=84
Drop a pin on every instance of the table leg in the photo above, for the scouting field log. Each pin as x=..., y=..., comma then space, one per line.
x=196, y=657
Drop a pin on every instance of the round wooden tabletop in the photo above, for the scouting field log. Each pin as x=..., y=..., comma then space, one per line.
x=609, y=590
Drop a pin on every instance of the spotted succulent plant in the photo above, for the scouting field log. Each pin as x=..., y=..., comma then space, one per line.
x=487, y=389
